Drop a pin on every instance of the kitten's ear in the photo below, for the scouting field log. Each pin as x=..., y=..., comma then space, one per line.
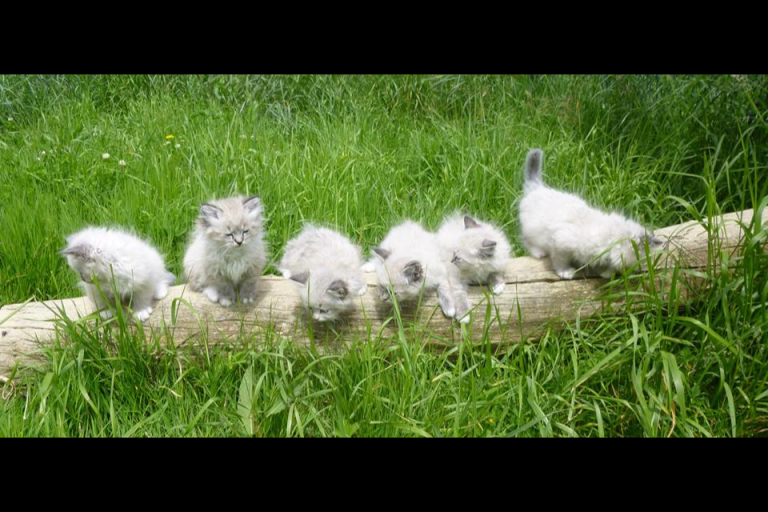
x=208, y=212
x=338, y=289
x=382, y=253
x=83, y=251
x=302, y=278
x=470, y=223
x=413, y=272
x=253, y=206
x=487, y=248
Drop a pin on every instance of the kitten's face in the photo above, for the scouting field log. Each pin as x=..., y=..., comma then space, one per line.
x=624, y=255
x=474, y=248
x=88, y=262
x=403, y=276
x=232, y=222
x=327, y=298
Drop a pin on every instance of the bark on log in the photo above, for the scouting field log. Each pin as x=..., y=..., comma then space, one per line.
x=534, y=298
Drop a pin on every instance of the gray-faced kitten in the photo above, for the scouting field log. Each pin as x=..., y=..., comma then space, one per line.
x=408, y=261
x=115, y=263
x=325, y=265
x=479, y=249
x=227, y=253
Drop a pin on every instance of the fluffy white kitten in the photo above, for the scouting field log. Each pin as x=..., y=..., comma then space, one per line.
x=325, y=265
x=407, y=261
x=227, y=253
x=573, y=234
x=478, y=249
x=114, y=263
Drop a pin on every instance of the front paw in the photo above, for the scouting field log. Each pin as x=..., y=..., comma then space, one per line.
x=143, y=314
x=106, y=314
x=450, y=312
x=464, y=319
x=368, y=267
x=225, y=301
x=498, y=288
x=565, y=273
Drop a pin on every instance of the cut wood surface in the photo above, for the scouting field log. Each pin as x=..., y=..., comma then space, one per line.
x=534, y=298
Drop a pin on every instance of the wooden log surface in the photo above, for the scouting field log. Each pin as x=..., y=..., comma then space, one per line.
x=534, y=298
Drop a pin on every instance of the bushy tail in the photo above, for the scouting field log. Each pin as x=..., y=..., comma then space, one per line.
x=533, y=167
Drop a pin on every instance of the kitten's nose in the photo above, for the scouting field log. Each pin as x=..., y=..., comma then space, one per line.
x=455, y=259
x=239, y=242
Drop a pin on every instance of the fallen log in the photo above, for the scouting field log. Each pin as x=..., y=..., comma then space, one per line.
x=534, y=298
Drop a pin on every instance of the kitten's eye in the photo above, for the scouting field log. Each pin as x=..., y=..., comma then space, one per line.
x=231, y=235
x=246, y=231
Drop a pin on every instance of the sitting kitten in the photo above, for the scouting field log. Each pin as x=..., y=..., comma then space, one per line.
x=328, y=264
x=122, y=265
x=227, y=253
x=479, y=250
x=563, y=227
x=407, y=260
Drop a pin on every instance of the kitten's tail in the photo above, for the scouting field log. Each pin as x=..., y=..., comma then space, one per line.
x=533, y=167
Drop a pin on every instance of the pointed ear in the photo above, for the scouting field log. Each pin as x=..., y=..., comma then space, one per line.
x=253, y=205
x=301, y=278
x=382, y=253
x=470, y=223
x=83, y=251
x=487, y=248
x=413, y=272
x=338, y=289
x=208, y=212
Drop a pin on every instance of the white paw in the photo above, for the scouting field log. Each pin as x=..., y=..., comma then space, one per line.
x=464, y=319
x=450, y=312
x=247, y=300
x=368, y=267
x=498, y=289
x=144, y=314
x=362, y=291
x=161, y=292
x=538, y=254
x=225, y=302
x=106, y=314
x=212, y=294
x=566, y=274
x=285, y=272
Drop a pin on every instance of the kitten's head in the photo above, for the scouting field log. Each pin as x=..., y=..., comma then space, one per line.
x=405, y=276
x=88, y=261
x=232, y=222
x=326, y=295
x=475, y=245
x=623, y=254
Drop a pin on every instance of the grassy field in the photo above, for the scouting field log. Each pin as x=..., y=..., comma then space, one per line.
x=361, y=153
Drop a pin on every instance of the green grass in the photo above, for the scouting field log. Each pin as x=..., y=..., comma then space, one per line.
x=361, y=153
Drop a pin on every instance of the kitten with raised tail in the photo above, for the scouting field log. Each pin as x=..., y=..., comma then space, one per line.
x=573, y=234
x=478, y=249
x=408, y=261
x=113, y=264
x=227, y=253
x=325, y=266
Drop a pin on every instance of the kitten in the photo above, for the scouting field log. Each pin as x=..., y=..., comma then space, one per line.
x=227, y=253
x=114, y=263
x=479, y=250
x=562, y=226
x=328, y=264
x=407, y=261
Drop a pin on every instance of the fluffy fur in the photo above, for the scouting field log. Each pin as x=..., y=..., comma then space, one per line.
x=227, y=253
x=325, y=266
x=573, y=234
x=112, y=264
x=407, y=261
x=478, y=249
